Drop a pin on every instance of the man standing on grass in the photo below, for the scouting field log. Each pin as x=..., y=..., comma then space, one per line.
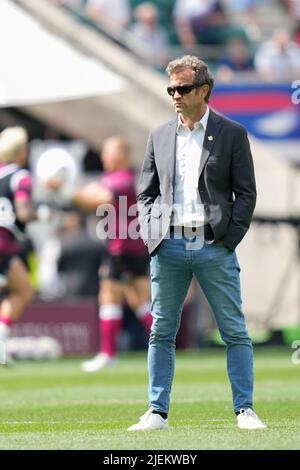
x=197, y=196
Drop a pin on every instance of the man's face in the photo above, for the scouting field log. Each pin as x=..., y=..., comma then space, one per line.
x=189, y=103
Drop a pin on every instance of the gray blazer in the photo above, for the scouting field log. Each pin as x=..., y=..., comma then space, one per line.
x=226, y=182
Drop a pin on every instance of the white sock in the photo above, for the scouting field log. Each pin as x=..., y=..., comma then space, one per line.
x=4, y=331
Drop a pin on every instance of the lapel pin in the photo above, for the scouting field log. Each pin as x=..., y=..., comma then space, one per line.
x=210, y=137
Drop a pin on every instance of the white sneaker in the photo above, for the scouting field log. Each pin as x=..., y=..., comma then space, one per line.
x=6, y=359
x=9, y=360
x=100, y=361
x=149, y=422
x=247, y=419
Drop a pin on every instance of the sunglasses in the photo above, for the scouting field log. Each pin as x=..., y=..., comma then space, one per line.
x=181, y=89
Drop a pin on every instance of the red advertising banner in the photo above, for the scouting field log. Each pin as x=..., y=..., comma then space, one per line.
x=73, y=324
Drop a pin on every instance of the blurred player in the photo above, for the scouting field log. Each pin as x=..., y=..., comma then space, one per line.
x=124, y=273
x=15, y=211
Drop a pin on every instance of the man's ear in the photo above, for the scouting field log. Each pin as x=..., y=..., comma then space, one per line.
x=205, y=90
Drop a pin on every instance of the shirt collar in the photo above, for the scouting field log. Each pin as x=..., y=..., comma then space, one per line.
x=202, y=123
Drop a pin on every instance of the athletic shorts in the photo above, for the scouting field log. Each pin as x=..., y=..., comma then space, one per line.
x=124, y=267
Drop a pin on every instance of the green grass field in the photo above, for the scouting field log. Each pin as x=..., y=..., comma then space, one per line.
x=56, y=406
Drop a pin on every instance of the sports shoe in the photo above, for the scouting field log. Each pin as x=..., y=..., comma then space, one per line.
x=247, y=419
x=100, y=361
x=9, y=361
x=149, y=422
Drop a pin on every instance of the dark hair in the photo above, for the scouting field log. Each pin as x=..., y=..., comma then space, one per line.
x=201, y=73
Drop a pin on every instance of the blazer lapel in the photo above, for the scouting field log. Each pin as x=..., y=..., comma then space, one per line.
x=212, y=131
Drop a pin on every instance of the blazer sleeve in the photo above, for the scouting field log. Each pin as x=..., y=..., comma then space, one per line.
x=148, y=188
x=243, y=187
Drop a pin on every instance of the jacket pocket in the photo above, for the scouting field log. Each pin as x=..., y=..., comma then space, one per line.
x=156, y=211
x=156, y=208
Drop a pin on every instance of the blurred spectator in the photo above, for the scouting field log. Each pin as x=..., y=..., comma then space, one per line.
x=244, y=6
x=293, y=9
x=248, y=13
x=151, y=40
x=70, y=3
x=238, y=61
x=240, y=5
x=278, y=60
x=80, y=257
x=113, y=13
x=297, y=34
x=294, y=13
x=200, y=21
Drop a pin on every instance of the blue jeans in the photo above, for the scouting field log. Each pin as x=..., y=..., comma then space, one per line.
x=217, y=271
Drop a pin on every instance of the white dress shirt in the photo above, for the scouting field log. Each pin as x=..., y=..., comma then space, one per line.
x=187, y=208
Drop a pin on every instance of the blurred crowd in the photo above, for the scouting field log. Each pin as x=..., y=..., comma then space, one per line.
x=236, y=37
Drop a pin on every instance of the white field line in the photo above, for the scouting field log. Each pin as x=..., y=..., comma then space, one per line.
x=20, y=423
